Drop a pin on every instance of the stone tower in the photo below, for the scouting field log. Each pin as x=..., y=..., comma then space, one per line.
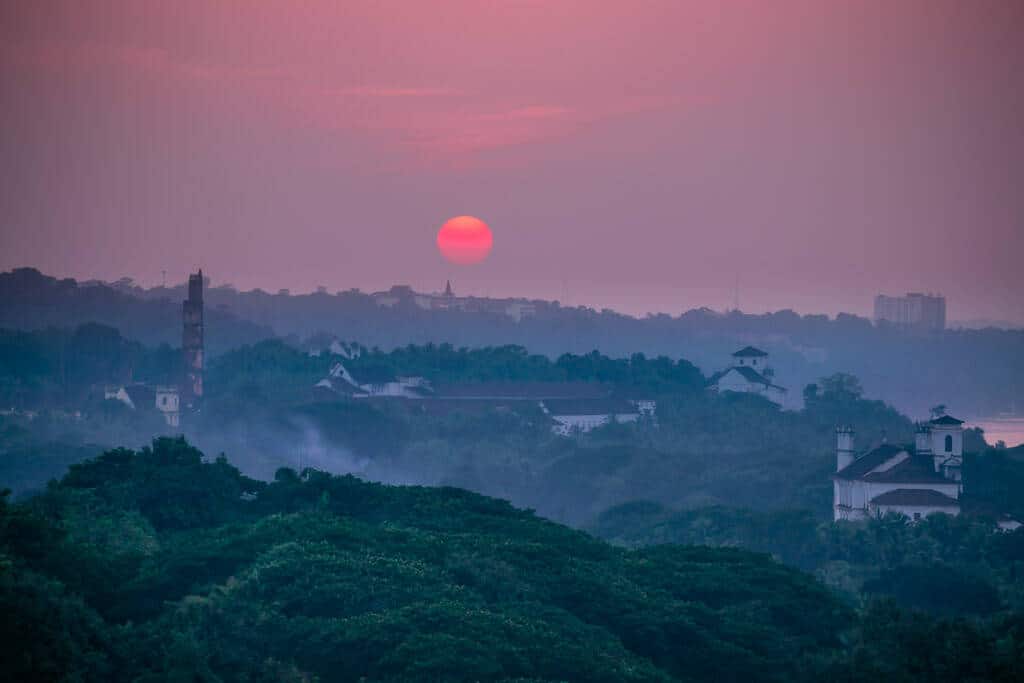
x=192, y=342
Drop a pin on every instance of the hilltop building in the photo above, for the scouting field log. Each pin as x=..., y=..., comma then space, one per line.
x=915, y=480
x=750, y=373
x=572, y=407
x=572, y=416
x=517, y=309
x=372, y=383
x=142, y=397
x=192, y=342
x=923, y=311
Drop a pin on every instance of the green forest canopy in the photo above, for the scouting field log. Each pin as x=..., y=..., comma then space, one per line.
x=159, y=565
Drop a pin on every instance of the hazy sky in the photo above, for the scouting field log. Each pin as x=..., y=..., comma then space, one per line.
x=639, y=155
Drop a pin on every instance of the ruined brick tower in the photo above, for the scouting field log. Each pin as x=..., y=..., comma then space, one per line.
x=192, y=342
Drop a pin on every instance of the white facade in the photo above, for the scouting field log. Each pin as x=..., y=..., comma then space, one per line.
x=854, y=500
x=750, y=373
x=577, y=417
x=167, y=402
x=401, y=387
x=164, y=399
x=734, y=380
x=908, y=480
x=566, y=425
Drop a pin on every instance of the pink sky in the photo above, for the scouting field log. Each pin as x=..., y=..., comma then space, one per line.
x=637, y=155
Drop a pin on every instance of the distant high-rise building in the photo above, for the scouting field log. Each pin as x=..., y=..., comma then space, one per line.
x=192, y=342
x=926, y=311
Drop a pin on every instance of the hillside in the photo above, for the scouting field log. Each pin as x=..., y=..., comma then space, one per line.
x=161, y=565
x=156, y=563
x=30, y=300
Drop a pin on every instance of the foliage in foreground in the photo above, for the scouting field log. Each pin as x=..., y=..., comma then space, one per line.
x=155, y=563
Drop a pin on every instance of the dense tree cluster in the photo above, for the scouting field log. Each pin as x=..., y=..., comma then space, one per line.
x=944, y=565
x=445, y=363
x=157, y=563
x=61, y=368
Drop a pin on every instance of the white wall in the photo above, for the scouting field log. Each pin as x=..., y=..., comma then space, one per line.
x=567, y=424
x=851, y=499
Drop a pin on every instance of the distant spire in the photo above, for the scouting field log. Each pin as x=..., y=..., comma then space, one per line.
x=448, y=288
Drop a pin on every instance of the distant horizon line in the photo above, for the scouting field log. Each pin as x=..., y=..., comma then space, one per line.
x=123, y=283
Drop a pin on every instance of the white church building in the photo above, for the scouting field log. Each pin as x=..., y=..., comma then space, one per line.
x=913, y=480
x=749, y=373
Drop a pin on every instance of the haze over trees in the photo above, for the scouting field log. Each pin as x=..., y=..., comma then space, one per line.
x=976, y=372
x=143, y=560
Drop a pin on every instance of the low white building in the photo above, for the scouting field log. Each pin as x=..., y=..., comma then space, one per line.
x=913, y=480
x=167, y=402
x=164, y=399
x=578, y=415
x=341, y=381
x=749, y=373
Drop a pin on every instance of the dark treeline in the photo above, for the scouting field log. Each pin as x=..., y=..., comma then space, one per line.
x=157, y=565
x=984, y=368
x=954, y=566
x=61, y=367
x=30, y=300
x=445, y=364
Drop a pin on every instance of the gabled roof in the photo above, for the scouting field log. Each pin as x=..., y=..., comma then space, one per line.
x=752, y=375
x=748, y=373
x=916, y=469
x=915, y=497
x=869, y=461
x=946, y=420
x=749, y=352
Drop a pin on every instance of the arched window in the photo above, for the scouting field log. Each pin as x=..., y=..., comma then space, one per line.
x=949, y=443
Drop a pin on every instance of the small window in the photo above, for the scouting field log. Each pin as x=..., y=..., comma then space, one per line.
x=949, y=443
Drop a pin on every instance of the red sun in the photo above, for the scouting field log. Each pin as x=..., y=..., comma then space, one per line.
x=465, y=240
